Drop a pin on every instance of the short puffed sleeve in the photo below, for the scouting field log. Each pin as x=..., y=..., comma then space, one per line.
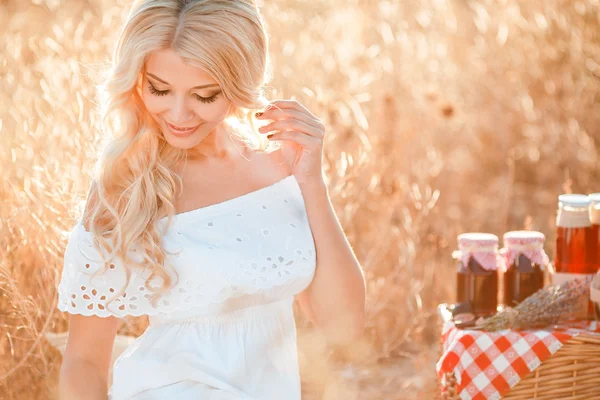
x=86, y=288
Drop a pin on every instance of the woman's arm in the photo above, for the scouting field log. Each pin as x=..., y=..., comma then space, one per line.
x=86, y=362
x=81, y=379
x=335, y=299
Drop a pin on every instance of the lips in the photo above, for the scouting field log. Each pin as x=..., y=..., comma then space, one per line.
x=182, y=129
x=177, y=131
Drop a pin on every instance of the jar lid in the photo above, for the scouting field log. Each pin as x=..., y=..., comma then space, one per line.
x=527, y=243
x=477, y=239
x=483, y=247
x=574, y=200
x=517, y=238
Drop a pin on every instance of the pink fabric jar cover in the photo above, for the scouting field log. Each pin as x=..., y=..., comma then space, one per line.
x=528, y=243
x=483, y=247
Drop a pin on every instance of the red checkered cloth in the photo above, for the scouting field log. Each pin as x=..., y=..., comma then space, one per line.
x=487, y=364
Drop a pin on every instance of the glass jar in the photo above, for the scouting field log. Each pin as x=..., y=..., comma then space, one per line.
x=525, y=262
x=573, y=253
x=573, y=233
x=477, y=273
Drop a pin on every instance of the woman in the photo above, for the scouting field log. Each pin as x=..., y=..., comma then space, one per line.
x=201, y=222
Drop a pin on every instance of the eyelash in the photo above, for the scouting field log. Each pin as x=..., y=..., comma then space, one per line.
x=165, y=92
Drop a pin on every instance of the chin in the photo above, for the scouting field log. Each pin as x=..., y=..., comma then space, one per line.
x=183, y=143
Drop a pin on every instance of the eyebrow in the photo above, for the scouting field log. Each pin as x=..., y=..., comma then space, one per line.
x=167, y=83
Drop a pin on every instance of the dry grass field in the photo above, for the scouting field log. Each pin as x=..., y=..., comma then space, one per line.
x=444, y=116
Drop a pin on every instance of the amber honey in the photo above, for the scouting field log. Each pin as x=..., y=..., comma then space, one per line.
x=574, y=251
x=574, y=233
x=525, y=261
x=476, y=286
x=477, y=273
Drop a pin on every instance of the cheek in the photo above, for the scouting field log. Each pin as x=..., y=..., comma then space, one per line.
x=214, y=112
x=154, y=104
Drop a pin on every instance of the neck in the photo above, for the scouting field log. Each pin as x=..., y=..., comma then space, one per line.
x=217, y=147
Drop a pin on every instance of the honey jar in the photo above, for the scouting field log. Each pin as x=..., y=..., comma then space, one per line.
x=477, y=273
x=574, y=250
x=573, y=234
x=524, y=264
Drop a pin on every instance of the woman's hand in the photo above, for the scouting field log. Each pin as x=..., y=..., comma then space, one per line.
x=302, y=134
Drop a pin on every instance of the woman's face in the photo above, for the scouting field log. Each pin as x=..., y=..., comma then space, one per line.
x=184, y=96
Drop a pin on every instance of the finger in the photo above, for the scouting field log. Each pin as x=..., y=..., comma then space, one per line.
x=299, y=137
x=292, y=124
x=276, y=113
x=291, y=104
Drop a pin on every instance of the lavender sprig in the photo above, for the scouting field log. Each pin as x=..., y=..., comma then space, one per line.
x=547, y=306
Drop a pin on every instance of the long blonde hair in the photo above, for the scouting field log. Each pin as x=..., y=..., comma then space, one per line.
x=134, y=182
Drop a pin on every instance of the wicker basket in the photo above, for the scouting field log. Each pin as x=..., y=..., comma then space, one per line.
x=573, y=373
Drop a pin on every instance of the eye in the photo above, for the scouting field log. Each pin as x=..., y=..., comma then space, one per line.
x=206, y=99
x=157, y=92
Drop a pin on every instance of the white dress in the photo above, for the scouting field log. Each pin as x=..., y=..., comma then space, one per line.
x=227, y=329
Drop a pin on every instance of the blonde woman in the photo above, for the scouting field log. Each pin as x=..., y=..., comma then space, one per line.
x=201, y=221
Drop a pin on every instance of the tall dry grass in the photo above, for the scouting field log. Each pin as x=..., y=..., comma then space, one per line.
x=444, y=116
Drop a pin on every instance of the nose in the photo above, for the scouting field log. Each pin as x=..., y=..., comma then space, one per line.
x=181, y=114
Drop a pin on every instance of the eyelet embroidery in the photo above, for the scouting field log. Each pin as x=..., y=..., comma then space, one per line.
x=255, y=275
x=273, y=263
